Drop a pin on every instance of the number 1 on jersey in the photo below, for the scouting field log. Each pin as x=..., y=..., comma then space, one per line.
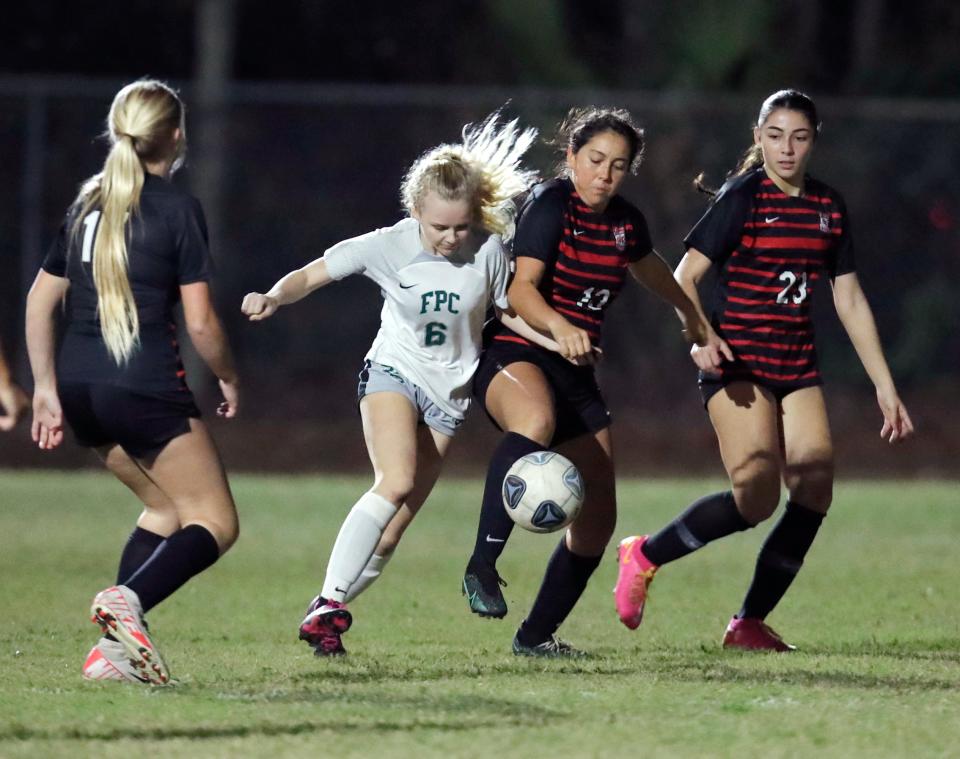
x=89, y=230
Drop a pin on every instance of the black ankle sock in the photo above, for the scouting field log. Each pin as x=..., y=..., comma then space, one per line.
x=495, y=524
x=711, y=517
x=184, y=554
x=780, y=559
x=563, y=584
x=140, y=546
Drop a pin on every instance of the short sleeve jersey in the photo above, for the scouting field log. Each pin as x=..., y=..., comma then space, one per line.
x=433, y=306
x=585, y=253
x=166, y=247
x=771, y=250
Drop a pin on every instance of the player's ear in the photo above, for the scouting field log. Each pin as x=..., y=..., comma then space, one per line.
x=756, y=135
x=571, y=158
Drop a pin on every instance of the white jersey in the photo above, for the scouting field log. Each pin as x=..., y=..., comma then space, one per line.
x=433, y=307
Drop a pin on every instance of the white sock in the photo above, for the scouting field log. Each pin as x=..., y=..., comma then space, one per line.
x=370, y=573
x=355, y=544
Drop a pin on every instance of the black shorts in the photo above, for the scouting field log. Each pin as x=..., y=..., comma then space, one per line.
x=711, y=384
x=141, y=423
x=578, y=403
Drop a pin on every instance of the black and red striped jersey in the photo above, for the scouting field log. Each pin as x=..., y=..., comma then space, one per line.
x=585, y=253
x=166, y=247
x=772, y=249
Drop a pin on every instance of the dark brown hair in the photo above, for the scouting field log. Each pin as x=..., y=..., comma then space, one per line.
x=792, y=100
x=581, y=124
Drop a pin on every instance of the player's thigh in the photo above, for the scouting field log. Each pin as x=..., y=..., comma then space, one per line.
x=593, y=456
x=808, y=449
x=190, y=472
x=160, y=513
x=519, y=399
x=390, y=422
x=746, y=418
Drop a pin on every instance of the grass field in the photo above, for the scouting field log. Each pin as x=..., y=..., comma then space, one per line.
x=876, y=613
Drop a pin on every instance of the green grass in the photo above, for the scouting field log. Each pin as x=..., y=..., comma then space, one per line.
x=876, y=613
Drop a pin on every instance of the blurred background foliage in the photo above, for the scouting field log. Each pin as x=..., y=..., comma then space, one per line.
x=304, y=115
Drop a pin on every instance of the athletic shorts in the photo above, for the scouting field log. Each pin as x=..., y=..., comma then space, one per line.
x=579, y=406
x=711, y=384
x=380, y=378
x=140, y=423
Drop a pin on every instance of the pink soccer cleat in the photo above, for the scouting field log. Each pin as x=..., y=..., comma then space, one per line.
x=325, y=622
x=118, y=612
x=752, y=634
x=634, y=576
x=108, y=660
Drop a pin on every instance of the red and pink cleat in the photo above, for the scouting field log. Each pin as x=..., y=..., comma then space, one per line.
x=752, y=634
x=634, y=575
x=323, y=625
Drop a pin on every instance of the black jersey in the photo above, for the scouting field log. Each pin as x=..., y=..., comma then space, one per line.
x=166, y=248
x=771, y=250
x=585, y=253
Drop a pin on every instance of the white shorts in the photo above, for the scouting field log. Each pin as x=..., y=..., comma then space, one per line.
x=380, y=378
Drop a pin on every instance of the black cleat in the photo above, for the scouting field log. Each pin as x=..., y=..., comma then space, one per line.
x=481, y=586
x=551, y=648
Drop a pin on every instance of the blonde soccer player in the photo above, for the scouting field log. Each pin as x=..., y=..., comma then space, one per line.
x=439, y=270
x=133, y=245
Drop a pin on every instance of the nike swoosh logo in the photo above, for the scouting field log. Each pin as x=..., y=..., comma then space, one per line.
x=771, y=219
x=339, y=590
x=495, y=540
x=577, y=232
x=407, y=287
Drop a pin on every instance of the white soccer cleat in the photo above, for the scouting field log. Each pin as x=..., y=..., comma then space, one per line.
x=118, y=612
x=109, y=660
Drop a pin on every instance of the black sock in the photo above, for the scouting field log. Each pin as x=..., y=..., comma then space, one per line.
x=563, y=584
x=711, y=517
x=495, y=523
x=780, y=559
x=184, y=554
x=140, y=546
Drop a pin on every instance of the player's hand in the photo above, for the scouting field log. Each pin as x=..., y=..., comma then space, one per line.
x=573, y=342
x=230, y=405
x=13, y=402
x=259, y=306
x=713, y=352
x=896, y=421
x=47, y=427
x=591, y=359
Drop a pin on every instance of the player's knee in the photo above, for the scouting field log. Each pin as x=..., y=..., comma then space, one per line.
x=756, y=486
x=228, y=527
x=225, y=529
x=159, y=521
x=810, y=483
x=538, y=425
x=394, y=487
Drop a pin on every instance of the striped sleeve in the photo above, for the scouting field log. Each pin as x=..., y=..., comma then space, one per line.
x=720, y=229
x=540, y=228
x=841, y=260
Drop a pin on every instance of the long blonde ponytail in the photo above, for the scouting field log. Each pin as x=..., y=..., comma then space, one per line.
x=141, y=126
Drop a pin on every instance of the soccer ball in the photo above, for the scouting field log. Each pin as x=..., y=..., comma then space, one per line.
x=543, y=491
